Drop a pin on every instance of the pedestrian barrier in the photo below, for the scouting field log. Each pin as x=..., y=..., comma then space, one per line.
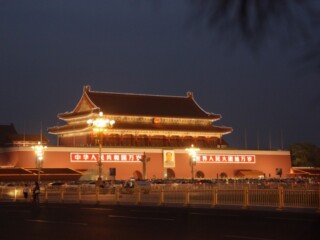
x=278, y=198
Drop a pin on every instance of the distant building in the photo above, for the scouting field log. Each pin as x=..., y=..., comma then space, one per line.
x=10, y=138
x=6, y=131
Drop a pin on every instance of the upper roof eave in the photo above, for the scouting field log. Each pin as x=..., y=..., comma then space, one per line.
x=149, y=105
x=68, y=115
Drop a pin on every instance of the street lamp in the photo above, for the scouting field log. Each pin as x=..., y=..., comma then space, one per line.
x=144, y=159
x=39, y=151
x=192, y=151
x=100, y=126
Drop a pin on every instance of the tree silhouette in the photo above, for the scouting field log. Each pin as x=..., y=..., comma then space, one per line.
x=305, y=155
x=256, y=21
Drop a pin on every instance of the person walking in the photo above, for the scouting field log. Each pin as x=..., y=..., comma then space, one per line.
x=26, y=191
x=36, y=192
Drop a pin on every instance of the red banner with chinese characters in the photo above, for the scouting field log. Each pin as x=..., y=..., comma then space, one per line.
x=105, y=157
x=226, y=158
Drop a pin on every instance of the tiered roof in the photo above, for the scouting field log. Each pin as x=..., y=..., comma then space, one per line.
x=126, y=104
x=139, y=105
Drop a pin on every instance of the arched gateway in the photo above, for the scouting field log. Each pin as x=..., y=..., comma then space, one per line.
x=137, y=175
x=170, y=173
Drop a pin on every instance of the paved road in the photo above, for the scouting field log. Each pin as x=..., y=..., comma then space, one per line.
x=71, y=221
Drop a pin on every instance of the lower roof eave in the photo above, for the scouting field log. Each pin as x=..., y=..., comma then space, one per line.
x=147, y=133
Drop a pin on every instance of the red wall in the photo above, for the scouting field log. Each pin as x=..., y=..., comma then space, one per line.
x=59, y=157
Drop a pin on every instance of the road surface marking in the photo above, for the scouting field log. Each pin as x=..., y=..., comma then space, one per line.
x=98, y=209
x=148, y=211
x=14, y=211
x=141, y=218
x=53, y=207
x=292, y=219
x=55, y=222
x=215, y=214
x=244, y=237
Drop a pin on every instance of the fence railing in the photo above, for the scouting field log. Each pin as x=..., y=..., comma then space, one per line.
x=278, y=198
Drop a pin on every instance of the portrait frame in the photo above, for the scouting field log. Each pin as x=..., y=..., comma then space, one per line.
x=169, y=159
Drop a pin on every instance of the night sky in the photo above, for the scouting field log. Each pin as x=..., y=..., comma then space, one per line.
x=256, y=65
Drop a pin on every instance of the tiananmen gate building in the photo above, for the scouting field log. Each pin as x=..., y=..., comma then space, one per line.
x=147, y=127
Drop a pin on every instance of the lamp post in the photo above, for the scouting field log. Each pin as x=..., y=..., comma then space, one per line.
x=144, y=159
x=99, y=126
x=39, y=151
x=192, y=151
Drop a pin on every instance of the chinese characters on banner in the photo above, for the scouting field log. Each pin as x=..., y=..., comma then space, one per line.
x=168, y=158
x=106, y=157
x=226, y=159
